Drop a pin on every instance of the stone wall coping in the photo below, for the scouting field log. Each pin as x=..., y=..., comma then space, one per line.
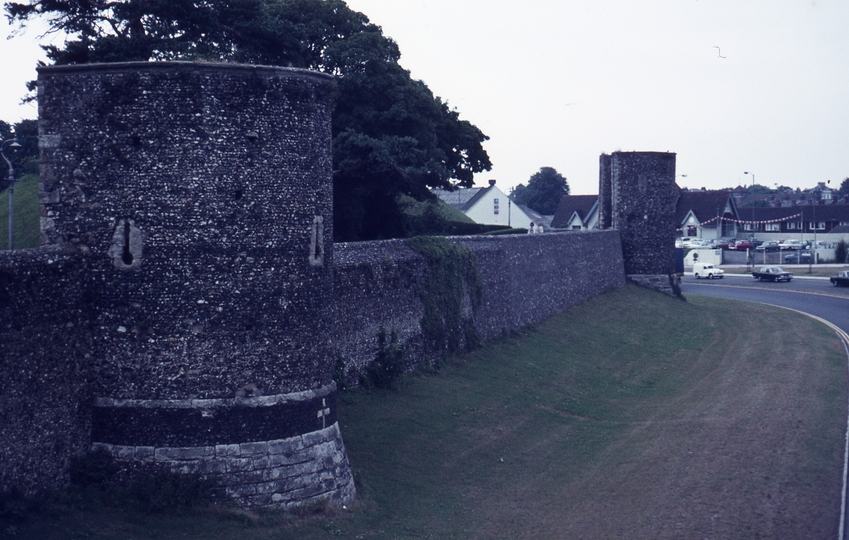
x=184, y=66
x=348, y=253
x=257, y=401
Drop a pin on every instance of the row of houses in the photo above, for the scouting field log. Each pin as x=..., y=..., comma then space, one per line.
x=700, y=214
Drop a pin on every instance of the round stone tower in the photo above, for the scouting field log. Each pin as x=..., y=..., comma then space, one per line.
x=201, y=196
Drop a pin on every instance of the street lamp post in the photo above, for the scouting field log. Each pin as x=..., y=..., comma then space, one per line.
x=753, y=204
x=14, y=144
x=813, y=258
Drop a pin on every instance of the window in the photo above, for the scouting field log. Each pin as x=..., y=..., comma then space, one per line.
x=817, y=225
x=792, y=225
x=495, y=205
x=774, y=227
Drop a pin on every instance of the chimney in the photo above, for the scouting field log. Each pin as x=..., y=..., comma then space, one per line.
x=491, y=182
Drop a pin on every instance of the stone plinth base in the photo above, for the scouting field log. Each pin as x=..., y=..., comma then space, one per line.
x=271, y=451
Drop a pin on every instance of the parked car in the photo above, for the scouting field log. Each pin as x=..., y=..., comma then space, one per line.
x=694, y=243
x=798, y=257
x=790, y=244
x=741, y=245
x=771, y=245
x=685, y=242
x=841, y=279
x=707, y=270
x=772, y=273
x=722, y=243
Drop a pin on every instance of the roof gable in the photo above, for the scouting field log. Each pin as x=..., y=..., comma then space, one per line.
x=571, y=205
x=705, y=205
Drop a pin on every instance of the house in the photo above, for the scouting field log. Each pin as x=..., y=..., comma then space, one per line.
x=489, y=205
x=700, y=214
x=576, y=213
x=802, y=219
x=707, y=214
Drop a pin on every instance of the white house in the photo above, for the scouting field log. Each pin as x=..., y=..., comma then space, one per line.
x=489, y=206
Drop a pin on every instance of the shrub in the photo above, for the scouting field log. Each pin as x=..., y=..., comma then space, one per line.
x=841, y=251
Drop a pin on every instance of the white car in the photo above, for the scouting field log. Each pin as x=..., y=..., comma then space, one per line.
x=707, y=270
x=790, y=244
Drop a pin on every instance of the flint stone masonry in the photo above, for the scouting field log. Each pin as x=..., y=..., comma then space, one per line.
x=45, y=357
x=191, y=203
x=526, y=278
x=193, y=188
x=173, y=423
x=640, y=191
x=188, y=307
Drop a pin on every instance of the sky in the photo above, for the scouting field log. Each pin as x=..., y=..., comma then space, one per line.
x=729, y=85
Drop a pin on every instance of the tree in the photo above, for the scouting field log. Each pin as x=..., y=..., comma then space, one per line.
x=543, y=192
x=843, y=191
x=758, y=189
x=24, y=159
x=391, y=135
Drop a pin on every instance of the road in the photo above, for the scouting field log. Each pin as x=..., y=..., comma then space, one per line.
x=816, y=296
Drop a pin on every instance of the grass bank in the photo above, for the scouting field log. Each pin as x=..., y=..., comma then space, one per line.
x=27, y=220
x=631, y=415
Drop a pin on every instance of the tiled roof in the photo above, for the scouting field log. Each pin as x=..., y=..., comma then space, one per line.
x=461, y=199
x=705, y=205
x=569, y=205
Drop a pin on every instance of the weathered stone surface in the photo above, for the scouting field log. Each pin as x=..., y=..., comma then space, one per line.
x=526, y=278
x=188, y=305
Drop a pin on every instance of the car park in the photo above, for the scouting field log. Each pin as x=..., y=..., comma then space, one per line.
x=841, y=279
x=707, y=270
x=772, y=273
x=722, y=243
x=798, y=257
x=771, y=245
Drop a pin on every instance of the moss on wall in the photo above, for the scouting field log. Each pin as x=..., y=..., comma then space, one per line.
x=452, y=275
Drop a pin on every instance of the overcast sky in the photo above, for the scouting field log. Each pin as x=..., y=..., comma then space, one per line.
x=729, y=85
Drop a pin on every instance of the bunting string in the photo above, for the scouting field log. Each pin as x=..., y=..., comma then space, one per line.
x=744, y=221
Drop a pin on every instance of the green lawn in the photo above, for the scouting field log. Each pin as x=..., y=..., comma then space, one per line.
x=27, y=227
x=632, y=415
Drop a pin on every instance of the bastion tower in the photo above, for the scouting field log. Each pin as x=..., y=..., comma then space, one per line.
x=638, y=197
x=200, y=197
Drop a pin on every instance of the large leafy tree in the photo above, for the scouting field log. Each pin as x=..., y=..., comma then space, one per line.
x=544, y=190
x=391, y=135
x=843, y=191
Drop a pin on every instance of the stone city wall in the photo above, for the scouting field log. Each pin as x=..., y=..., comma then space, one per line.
x=45, y=366
x=269, y=449
x=526, y=278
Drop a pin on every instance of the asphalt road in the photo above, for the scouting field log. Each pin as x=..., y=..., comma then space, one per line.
x=816, y=296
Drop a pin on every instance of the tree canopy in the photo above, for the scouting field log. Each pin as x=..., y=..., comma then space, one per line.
x=843, y=191
x=24, y=159
x=391, y=135
x=543, y=193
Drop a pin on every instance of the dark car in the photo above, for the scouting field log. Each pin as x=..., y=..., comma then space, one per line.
x=772, y=273
x=798, y=257
x=772, y=245
x=841, y=279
